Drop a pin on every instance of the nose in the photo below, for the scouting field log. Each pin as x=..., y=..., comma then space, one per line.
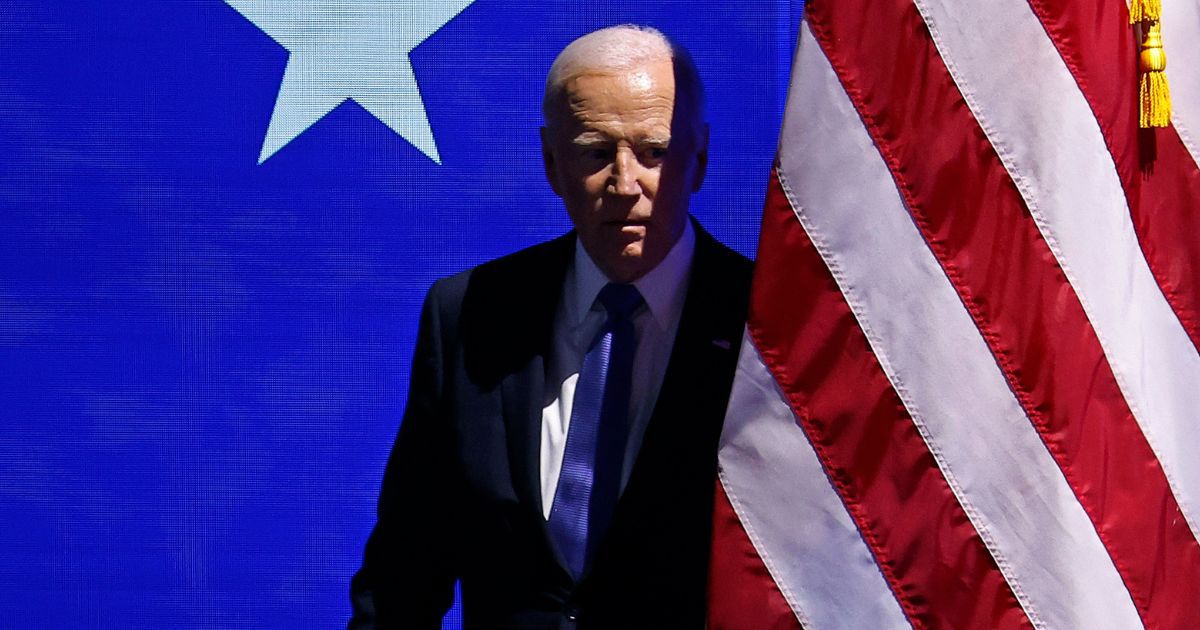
x=626, y=169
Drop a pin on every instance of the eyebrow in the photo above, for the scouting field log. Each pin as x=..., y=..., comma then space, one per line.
x=590, y=140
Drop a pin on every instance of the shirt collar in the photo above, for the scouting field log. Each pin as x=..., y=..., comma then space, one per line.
x=664, y=287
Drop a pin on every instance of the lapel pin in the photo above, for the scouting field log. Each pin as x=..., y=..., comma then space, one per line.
x=722, y=343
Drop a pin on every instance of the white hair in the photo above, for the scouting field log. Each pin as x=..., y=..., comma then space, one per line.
x=621, y=47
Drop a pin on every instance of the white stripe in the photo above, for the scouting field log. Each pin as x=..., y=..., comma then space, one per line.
x=939, y=364
x=1181, y=41
x=1051, y=144
x=792, y=514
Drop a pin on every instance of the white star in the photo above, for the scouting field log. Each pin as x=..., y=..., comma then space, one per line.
x=349, y=49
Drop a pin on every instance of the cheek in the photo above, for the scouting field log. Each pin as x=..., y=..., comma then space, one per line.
x=650, y=183
x=593, y=185
x=674, y=182
x=582, y=196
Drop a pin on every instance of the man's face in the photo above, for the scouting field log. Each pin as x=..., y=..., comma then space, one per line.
x=625, y=159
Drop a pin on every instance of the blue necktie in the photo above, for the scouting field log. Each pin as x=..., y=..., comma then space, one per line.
x=590, y=481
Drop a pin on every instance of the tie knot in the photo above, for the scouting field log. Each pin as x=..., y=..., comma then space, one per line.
x=620, y=300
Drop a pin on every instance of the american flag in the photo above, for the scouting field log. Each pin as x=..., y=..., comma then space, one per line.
x=969, y=393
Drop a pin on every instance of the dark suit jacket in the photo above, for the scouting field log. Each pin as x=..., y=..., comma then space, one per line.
x=461, y=496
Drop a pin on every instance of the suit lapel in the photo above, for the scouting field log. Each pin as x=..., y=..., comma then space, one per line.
x=508, y=321
x=520, y=395
x=522, y=327
x=695, y=385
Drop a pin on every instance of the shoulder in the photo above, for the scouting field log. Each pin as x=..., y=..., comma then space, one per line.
x=719, y=288
x=510, y=279
x=715, y=262
x=501, y=312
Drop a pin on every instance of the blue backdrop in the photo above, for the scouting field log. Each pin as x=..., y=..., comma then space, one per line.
x=203, y=359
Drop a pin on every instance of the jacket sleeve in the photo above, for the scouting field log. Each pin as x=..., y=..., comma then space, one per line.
x=410, y=563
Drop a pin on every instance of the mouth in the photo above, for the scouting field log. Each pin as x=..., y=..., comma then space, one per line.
x=629, y=229
x=623, y=223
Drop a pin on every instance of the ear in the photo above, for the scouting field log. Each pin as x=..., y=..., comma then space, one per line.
x=548, y=160
x=701, y=158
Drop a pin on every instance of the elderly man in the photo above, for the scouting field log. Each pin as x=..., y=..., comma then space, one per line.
x=558, y=451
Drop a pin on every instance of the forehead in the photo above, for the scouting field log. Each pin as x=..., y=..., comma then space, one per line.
x=642, y=93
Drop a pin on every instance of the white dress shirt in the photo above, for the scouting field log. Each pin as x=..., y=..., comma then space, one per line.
x=577, y=321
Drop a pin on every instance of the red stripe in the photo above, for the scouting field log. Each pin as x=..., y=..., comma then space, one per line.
x=1160, y=178
x=929, y=552
x=741, y=594
x=971, y=214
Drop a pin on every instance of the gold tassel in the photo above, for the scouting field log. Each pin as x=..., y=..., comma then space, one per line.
x=1154, y=94
x=1144, y=11
x=1156, y=100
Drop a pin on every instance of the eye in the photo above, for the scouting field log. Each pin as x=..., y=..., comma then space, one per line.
x=599, y=153
x=596, y=153
x=654, y=155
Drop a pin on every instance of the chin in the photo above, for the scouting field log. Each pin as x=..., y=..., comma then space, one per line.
x=622, y=258
x=632, y=251
x=631, y=264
